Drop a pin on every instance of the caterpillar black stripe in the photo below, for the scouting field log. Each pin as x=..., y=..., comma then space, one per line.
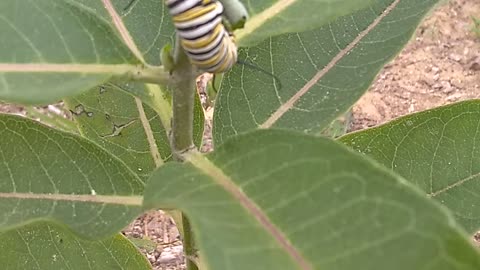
x=202, y=34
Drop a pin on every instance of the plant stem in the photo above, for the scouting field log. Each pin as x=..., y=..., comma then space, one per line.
x=189, y=245
x=183, y=87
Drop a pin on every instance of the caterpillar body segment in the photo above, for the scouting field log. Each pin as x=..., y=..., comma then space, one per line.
x=203, y=36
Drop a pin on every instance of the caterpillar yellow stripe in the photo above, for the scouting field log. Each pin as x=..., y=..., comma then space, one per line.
x=203, y=36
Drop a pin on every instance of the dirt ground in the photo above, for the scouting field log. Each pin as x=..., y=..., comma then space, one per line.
x=163, y=246
x=441, y=65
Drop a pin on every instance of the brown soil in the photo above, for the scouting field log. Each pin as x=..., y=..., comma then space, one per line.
x=440, y=66
x=165, y=250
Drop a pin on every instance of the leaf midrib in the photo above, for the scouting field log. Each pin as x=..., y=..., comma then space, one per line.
x=66, y=68
x=284, y=108
x=122, y=30
x=130, y=43
x=219, y=177
x=258, y=20
x=454, y=185
x=100, y=199
x=157, y=158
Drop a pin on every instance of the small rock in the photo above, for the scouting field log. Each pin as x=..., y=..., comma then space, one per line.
x=428, y=81
x=455, y=57
x=151, y=258
x=474, y=64
x=437, y=86
x=411, y=109
x=448, y=90
x=167, y=258
x=458, y=83
x=454, y=97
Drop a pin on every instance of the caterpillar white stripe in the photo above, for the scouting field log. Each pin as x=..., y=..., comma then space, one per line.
x=203, y=36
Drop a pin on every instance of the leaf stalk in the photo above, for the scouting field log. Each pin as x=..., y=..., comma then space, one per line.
x=150, y=74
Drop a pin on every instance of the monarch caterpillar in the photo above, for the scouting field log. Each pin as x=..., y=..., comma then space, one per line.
x=203, y=35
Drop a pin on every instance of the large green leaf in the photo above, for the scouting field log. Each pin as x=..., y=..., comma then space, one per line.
x=270, y=18
x=321, y=73
x=136, y=133
x=82, y=44
x=51, y=175
x=48, y=246
x=53, y=48
x=437, y=150
x=150, y=25
x=282, y=200
x=130, y=131
x=147, y=21
x=155, y=97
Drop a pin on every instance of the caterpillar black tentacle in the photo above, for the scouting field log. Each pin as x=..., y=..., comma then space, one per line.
x=253, y=66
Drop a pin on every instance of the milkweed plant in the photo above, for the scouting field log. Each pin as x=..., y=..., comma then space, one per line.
x=275, y=193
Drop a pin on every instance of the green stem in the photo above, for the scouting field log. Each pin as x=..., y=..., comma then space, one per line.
x=189, y=245
x=184, y=90
x=185, y=230
x=150, y=74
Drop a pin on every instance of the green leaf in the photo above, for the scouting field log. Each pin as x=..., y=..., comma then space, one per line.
x=51, y=118
x=281, y=200
x=133, y=131
x=156, y=98
x=145, y=243
x=147, y=22
x=437, y=150
x=321, y=73
x=271, y=18
x=54, y=48
x=48, y=246
x=122, y=125
x=51, y=175
x=339, y=126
